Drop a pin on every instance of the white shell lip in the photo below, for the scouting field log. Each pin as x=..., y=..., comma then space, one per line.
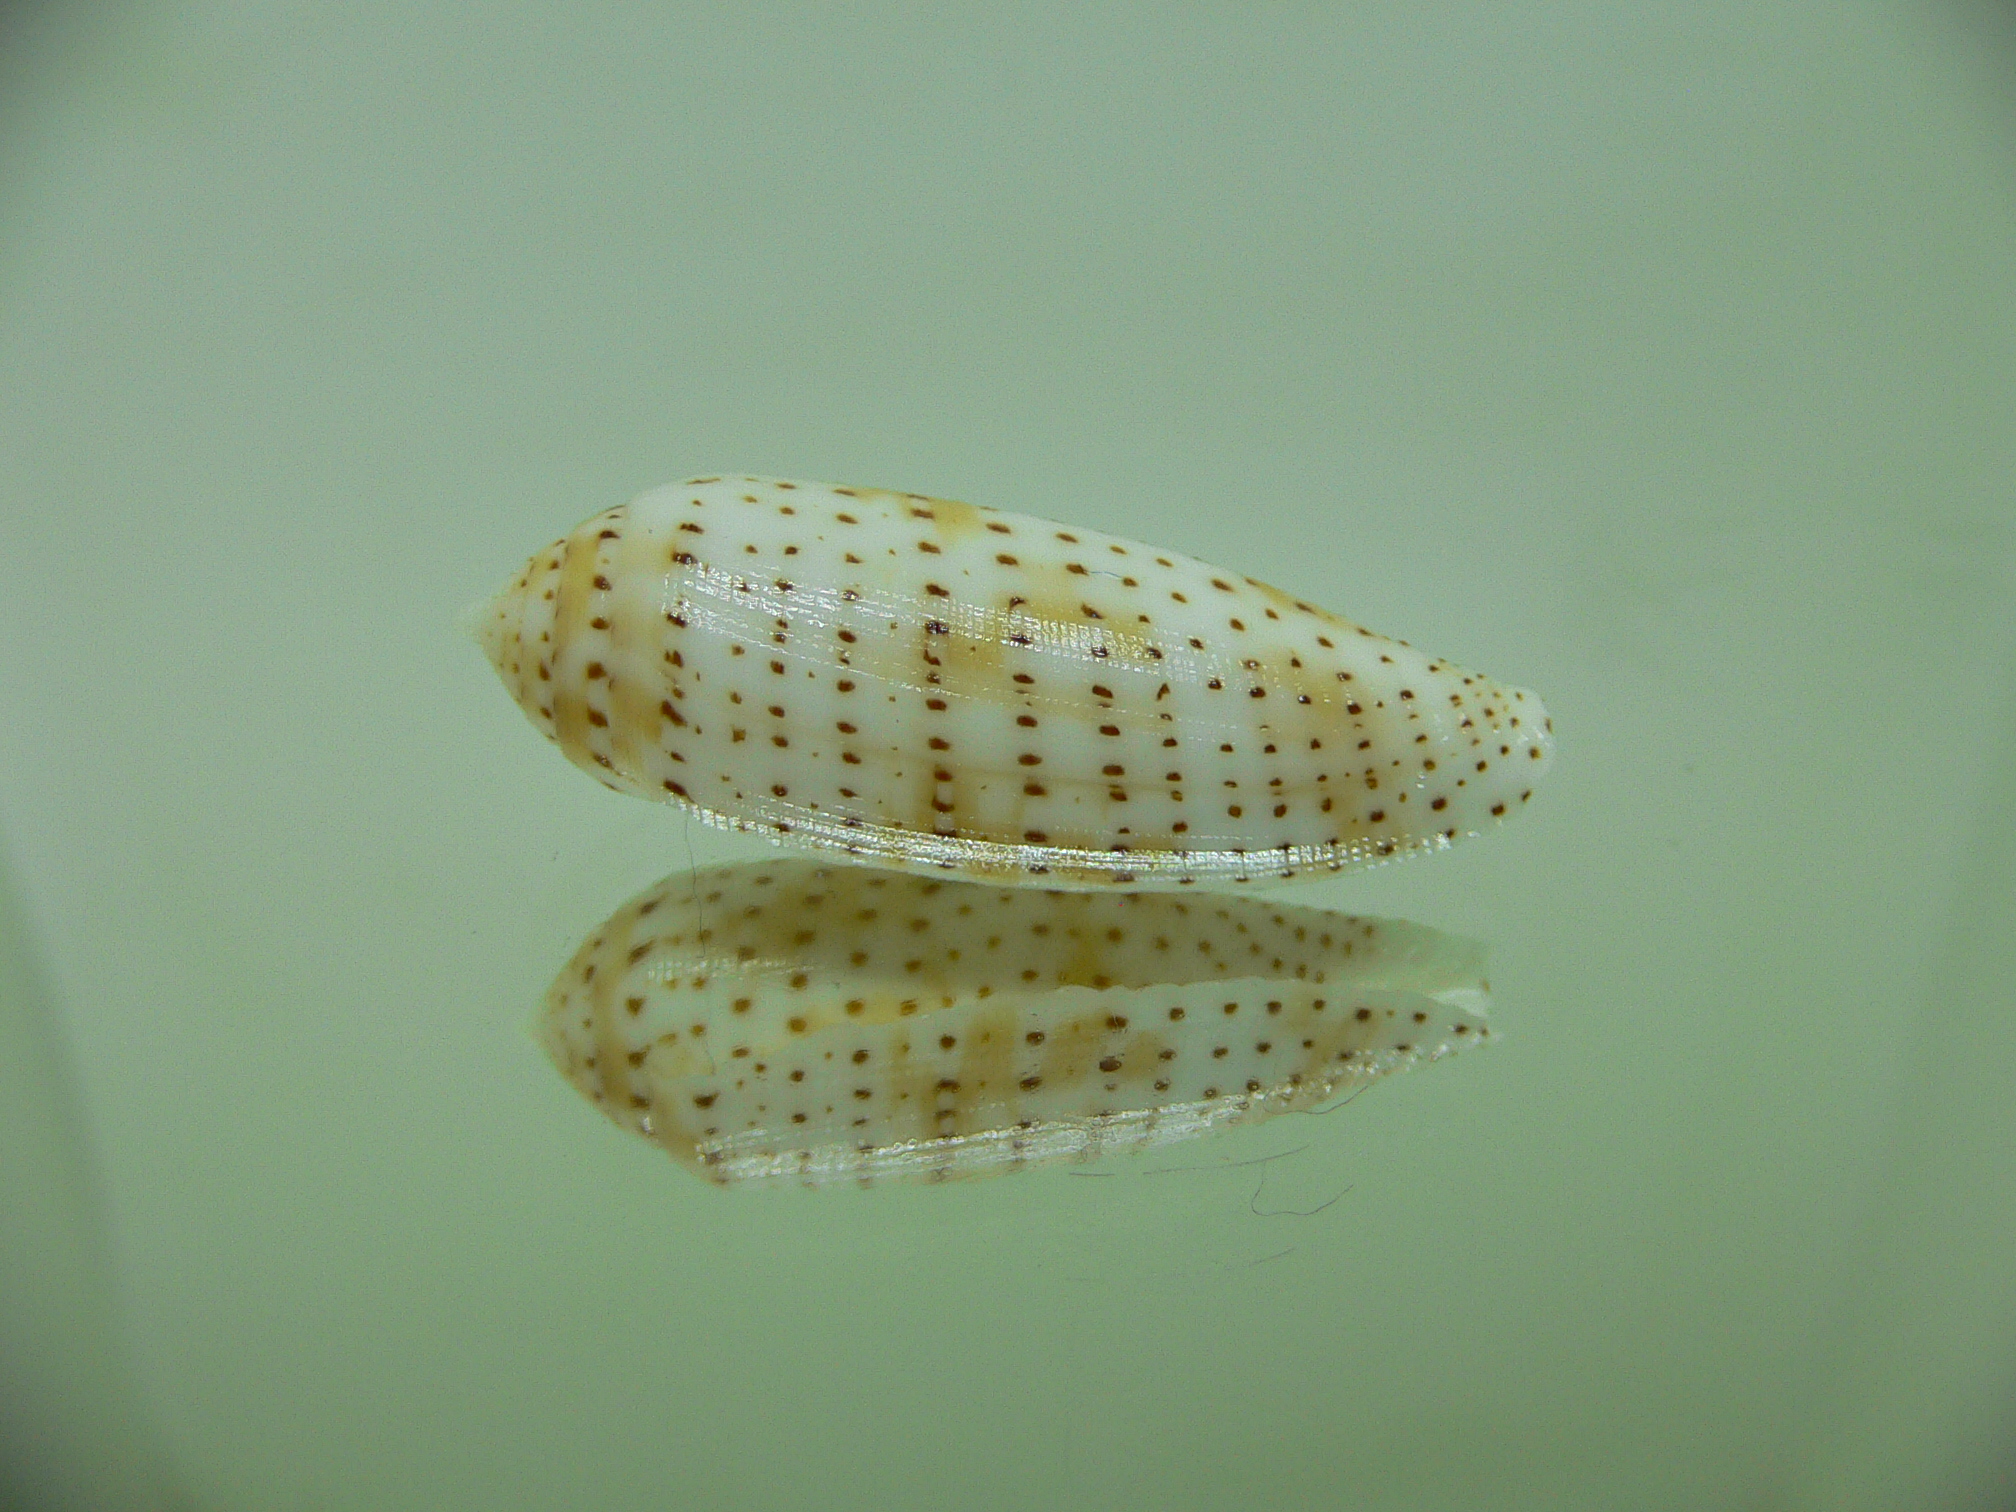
x=799, y=1022
x=1414, y=752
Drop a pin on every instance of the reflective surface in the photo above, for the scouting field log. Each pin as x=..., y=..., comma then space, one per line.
x=787, y=1020
x=1657, y=360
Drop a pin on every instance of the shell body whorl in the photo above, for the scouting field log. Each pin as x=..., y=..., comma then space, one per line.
x=934, y=686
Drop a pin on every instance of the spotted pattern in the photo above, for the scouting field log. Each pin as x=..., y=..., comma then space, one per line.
x=930, y=685
x=819, y=1024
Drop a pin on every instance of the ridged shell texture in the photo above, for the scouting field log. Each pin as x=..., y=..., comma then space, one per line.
x=925, y=684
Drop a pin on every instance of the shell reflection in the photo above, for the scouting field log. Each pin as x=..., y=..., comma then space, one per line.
x=811, y=1023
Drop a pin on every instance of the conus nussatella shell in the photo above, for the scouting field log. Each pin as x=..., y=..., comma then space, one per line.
x=787, y=1020
x=929, y=685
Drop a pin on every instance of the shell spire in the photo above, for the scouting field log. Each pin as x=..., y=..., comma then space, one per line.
x=924, y=684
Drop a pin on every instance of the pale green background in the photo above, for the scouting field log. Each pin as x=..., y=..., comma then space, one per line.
x=1659, y=357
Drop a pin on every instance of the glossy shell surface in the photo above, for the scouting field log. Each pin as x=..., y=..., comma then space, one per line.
x=925, y=684
x=789, y=1021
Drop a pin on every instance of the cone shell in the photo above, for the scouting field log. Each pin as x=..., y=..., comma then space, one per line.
x=820, y=1024
x=928, y=685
